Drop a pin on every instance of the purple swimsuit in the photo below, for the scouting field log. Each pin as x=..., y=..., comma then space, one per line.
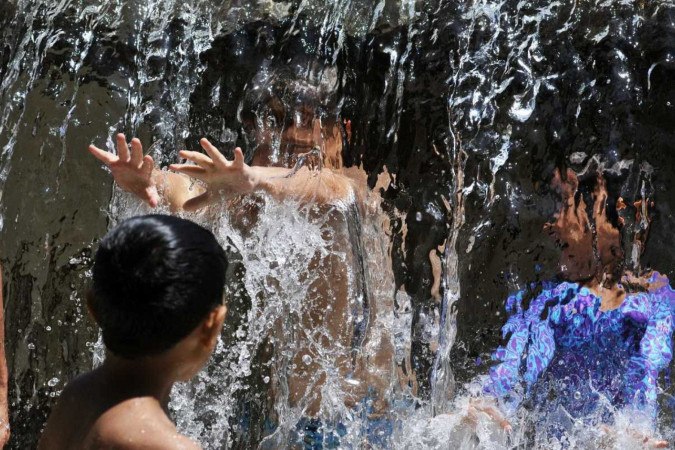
x=564, y=351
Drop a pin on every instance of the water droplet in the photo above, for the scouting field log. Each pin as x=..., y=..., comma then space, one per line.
x=31, y=346
x=577, y=395
x=53, y=382
x=48, y=328
x=307, y=359
x=418, y=216
x=266, y=380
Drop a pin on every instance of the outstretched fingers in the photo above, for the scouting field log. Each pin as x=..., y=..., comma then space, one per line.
x=214, y=153
x=106, y=158
x=152, y=196
x=238, y=158
x=198, y=158
x=147, y=165
x=198, y=202
x=189, y=169
x=122, y=148
x=136, y=152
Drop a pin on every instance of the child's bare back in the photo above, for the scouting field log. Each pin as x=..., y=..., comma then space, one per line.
x=93, y=413
x=157, y=295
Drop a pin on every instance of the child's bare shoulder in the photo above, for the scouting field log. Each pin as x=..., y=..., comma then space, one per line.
x=61, y=431
x=108, y=423
x=138, y=423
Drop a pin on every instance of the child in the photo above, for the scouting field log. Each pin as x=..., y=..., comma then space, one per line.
x=595, y=344
x=157, y=295
x=4, y=411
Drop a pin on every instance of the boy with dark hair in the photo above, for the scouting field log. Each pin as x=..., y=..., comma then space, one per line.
x=157, y=295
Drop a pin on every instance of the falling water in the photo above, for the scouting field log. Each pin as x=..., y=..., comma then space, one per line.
x=460, y=111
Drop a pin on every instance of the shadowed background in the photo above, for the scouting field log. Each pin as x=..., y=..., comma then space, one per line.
x=518, y=88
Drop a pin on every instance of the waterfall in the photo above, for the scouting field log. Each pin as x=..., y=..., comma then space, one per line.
x=459, y=113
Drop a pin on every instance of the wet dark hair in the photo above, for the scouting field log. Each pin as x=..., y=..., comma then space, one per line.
x=155, y=279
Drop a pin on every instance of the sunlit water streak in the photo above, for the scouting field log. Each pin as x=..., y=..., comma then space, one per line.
x=500, y=72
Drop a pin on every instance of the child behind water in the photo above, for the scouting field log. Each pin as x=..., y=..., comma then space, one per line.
x=157, y=295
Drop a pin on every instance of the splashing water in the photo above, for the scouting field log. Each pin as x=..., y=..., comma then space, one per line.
x=469, y=106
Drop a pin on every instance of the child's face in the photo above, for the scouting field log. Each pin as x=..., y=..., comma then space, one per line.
x=287, y=133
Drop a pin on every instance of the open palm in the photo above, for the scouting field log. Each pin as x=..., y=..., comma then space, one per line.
x=130, y=169
x=222, y=177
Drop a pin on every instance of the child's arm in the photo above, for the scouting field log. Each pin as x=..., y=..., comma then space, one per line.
x=4, y=411
x=227, y=178
x=488, y=407
x=137, y=174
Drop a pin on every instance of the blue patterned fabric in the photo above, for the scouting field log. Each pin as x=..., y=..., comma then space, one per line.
x=563, y=350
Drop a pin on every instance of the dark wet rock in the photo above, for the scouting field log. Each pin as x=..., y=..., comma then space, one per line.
x=605, y=90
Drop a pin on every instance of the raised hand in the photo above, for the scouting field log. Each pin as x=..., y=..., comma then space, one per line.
x=222, y=177
x=489, y=408
x=130, y=169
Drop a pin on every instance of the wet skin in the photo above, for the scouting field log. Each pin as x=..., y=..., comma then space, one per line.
x=326, y=325
x=592, y=262
x=122, y=404
x=4, y=410
x=595, y=261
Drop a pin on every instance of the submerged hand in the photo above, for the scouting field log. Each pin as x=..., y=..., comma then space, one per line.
x=644, y=439
x=222, y=177
x=490, y=409
x=131, y=170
